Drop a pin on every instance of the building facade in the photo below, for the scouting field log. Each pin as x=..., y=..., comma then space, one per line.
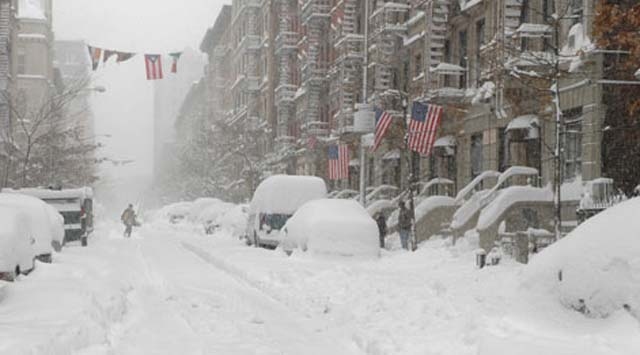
x=498, y=67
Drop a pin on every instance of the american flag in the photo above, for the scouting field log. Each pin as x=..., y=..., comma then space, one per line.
x=423, y=126
x=383, y=122
x=338, y=162
x=153, y=63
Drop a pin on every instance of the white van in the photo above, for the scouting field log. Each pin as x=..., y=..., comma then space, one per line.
x=276, y=199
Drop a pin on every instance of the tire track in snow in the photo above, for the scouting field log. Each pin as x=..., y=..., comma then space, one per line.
x=333, y=343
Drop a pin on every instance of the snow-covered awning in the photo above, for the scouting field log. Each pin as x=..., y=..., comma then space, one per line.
x=534, y=30
x=448, y=69
x=530, y=123
x=392, y=155
x=354, y=162
x=445, y=142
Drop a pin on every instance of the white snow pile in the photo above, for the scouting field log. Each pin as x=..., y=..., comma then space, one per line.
x=44, y=224
x=380, y=206
x=507, y=198
x=284, y=194
x=596, y=268
x=31, y=9
x=15, y=247
x=332, y=227
x=431, y=203
x=234, y=221
x=207, y=210
x=178, y=211
x=469, y=209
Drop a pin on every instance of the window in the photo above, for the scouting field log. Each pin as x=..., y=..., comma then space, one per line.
x=476, y=155
x=572, y=143
x=22, y=62
x=447, y=59
x=463, y=56
x=503, y=142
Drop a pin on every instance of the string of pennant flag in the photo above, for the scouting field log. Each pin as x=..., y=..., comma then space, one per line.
x=152, y=62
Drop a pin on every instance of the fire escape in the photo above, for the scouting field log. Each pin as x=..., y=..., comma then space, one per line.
x=346, y=72
x=387, y=31
x=315, y=17
x=286, y=47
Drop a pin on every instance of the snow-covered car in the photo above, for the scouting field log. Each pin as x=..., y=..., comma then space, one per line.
x=206, y=212
x=276, y=199
x=332, y=227
x=75, y=206
x=43, y=225
x=595, y=268
x=176, y=212
x=17, y=254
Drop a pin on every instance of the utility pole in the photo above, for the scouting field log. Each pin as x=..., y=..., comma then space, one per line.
x=365, y=65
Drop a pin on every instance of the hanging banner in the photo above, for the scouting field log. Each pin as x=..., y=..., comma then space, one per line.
x=95, y=54
x=124, y=56
x=153, y=63
x=108, y=54
x=175, y=58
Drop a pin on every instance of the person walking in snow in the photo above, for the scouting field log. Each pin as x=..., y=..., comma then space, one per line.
x=404, y=225
x=129, y=219
x=381, y=221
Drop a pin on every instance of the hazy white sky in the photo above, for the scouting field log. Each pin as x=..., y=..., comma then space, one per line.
x=125, y=111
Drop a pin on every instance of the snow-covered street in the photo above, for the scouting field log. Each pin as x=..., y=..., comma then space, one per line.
x=172, y=289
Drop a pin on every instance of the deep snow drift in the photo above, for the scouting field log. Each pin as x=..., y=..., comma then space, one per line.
x=172, y=289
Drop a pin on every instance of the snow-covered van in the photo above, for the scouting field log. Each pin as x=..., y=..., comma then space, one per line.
x=17, y=254
x=75, y=206
x=276, y=199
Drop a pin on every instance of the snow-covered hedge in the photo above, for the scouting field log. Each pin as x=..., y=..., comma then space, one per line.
x=332, y=227
x=596, y=268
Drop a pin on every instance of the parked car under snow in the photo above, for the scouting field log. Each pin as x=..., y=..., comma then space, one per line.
x=276, y=199
x=45, y=225
x=332, y=227
x=17, y=254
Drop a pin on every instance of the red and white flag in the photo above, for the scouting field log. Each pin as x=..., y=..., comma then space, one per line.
x=338, y=162
x=95, y=54
x=383, y=122
x=175, y=57
x=423, y=127
x=153, y=63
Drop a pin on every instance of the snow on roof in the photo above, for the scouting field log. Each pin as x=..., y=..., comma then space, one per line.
x=448, y=69
x=409, y=41
x=523, y=122
x=284, y=194
x=507, y=198
x=392, y=155
x=467, y=4
x=31, y=9
x=354, y=162
x=485, y=92
x=45, y=194
x=594, y=267
x=415, y=18
x=577, y=41
x=446, y=141
x=332, y=227
x=534, y=30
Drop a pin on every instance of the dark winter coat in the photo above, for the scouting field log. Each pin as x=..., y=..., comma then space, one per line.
x=382, y=225
x=404, y=220
x=128, y=217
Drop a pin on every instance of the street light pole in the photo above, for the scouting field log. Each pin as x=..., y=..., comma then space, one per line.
x=363, y=151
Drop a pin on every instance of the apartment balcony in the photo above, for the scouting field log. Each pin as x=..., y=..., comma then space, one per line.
x=237, y=116
x=287, y=41
x=317, y=128
x=285, y=94
x=249, y=43
x=315, y=9
x=246, y=83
